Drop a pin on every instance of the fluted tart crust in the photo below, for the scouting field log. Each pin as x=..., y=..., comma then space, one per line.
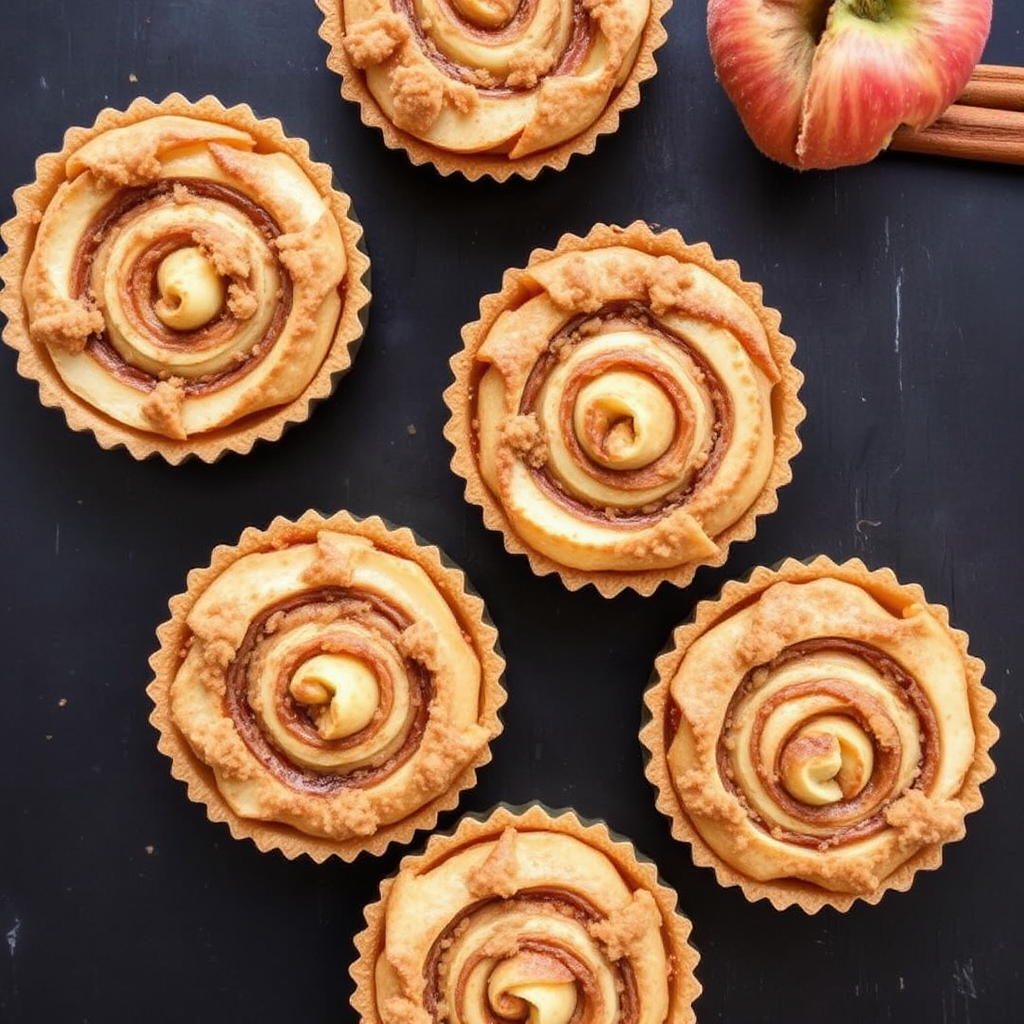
x=526, y=915
x=183, y=279
x=624, y=409
x=818, y=733
x=327, y=686
x=493, y=87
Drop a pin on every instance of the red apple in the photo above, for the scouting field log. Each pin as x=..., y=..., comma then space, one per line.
x=825, y=83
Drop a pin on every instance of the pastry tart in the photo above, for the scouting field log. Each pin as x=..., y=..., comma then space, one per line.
x=493, y=87
x=818, y=733
x=183, y=279
x=327, y=686
x=525, y=916
x=624, y=408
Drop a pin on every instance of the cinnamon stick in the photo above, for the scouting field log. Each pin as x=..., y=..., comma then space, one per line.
x=970, y=133
x=995, y=86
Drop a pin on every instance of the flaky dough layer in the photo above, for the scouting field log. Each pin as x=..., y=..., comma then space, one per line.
x=183, y=279
x=624, y=409
x=818, y=733
x=327, y=686
x=493, y=87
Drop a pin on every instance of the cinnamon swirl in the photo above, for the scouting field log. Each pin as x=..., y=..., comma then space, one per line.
x=183, y=279
x=525, y=916
x=624, y=409
x=818, y=733
x=327, y=686
x=493, y=87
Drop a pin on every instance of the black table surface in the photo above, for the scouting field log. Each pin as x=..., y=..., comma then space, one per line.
x=902, y=282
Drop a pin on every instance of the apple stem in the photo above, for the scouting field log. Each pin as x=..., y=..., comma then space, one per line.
x=873, y=10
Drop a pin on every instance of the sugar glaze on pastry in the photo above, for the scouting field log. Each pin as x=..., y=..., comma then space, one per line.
x=823, y=726
x=483, y=76
x=630, y=400
x=183, y=278
x=526, y=918
x=331, y=679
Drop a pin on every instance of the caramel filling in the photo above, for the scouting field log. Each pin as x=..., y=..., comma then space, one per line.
x=306, y=685
x=497, y=23
x=838, y=770
x=563, y=986
x=153, y=309
x=628, y=446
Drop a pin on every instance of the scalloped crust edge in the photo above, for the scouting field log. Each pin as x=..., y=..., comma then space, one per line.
x=474, y=166
x=33, y=362
x=198, y=777
x=638, y=870
x=789, y=409
x=884, y=587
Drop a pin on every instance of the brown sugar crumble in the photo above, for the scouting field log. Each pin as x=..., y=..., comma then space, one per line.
x=498, y=874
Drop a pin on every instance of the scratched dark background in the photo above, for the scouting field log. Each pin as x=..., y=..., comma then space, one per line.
x=903, y=283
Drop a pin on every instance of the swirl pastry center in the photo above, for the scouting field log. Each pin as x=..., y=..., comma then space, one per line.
x=821, y=729
x=336, y=679
x=533, y=987
x=624, y=408
x=523, y=919
x=624, y=420
x=496, y=78
x=191, y=291
x=341, y=691
x=186, y=275
x=827, y=761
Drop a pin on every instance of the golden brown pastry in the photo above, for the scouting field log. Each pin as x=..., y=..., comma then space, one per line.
x=183, y=279
x=327, y=686
x=624, y=409
x=493, y=87
x=818, y=733
x=525, y=916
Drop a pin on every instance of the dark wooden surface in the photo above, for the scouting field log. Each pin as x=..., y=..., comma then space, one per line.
x=903, y=284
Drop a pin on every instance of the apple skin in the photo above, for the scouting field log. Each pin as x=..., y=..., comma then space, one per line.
x=825, y=83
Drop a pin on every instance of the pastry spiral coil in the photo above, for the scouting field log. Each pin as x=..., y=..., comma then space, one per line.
x=526, y=918
x=493, y=78
x=192, y=269
x=630, y=403
x=333, y=682
x=823, y=726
